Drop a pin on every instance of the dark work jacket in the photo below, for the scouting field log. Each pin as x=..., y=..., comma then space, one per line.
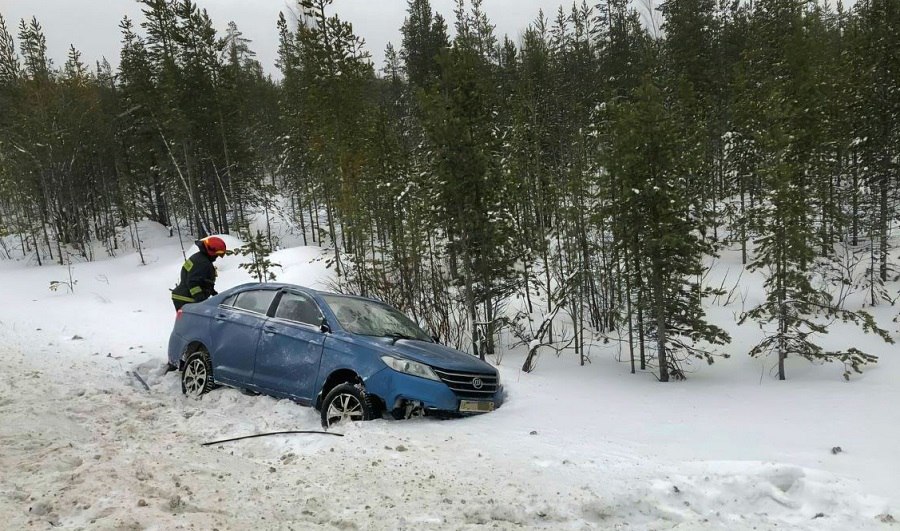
x=198, y=280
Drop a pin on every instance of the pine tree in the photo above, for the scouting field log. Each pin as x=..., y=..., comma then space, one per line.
x=424, y=38
x=784, y=216
x=142, y=153
x=651, y=217
x=257, y=249
x=468, y=186
x=876, y=96
x=9, y=59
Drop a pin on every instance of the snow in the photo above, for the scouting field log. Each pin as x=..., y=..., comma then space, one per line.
x=83, y=445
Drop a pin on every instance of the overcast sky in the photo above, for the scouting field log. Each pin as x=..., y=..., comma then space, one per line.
x=92, y=25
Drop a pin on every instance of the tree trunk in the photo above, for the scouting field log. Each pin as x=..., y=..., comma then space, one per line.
x=470, y=307
x=630, y=321
x=660, y=310
x=743, y=222
x=854, y=235
x=781, y=273
x=883, y=223
x=333, y=235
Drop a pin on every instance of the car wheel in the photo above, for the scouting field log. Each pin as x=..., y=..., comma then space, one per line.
x=347, y=402
x=197, y=376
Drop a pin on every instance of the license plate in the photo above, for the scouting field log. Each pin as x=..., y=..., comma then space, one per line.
x=475, y=406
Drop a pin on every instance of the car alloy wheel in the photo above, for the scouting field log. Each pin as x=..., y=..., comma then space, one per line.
x=346, y=402
x=344, y=407
x=197, y=376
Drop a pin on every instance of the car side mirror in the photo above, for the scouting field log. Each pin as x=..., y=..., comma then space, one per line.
x=323, y=326
x=436, y=339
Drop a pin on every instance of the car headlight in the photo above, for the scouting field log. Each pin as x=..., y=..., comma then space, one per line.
x=410, y=367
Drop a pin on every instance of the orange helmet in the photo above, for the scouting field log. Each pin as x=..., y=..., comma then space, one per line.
x=214, y=246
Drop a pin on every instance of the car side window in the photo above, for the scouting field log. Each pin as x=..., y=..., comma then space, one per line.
x=299, y=308
x=257, y=301
x=229, y=301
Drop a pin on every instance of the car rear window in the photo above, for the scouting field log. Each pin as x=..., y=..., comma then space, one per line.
x=255, y=301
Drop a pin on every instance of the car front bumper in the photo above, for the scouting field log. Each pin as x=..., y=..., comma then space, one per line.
x=396, y=388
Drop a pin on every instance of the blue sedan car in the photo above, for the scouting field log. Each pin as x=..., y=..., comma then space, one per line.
x=352, y=358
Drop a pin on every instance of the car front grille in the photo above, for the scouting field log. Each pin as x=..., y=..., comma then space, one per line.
x=466, y=384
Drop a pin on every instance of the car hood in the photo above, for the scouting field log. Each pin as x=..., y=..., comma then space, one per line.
x=433, y=354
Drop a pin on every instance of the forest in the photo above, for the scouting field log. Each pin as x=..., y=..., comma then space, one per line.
x=566, y=187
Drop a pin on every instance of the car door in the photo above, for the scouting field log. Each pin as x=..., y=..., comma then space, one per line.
x=235, y=332
x=290, y=347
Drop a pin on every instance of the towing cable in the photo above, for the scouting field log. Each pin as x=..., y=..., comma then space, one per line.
x=272, y=433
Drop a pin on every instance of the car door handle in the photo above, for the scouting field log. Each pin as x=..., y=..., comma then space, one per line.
x=220, y=317
x=269, y=329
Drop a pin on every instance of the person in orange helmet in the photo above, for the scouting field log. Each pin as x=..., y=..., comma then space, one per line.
x=198, y=275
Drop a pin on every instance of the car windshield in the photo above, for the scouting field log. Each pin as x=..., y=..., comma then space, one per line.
x=371, y=318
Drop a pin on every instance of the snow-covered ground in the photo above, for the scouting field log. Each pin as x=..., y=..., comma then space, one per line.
x=84, y=445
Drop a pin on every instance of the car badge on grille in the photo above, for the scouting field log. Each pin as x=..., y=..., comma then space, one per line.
x=477, y=383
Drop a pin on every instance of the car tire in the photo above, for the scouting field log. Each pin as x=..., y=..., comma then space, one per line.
x=347, y=401
x=197, y=378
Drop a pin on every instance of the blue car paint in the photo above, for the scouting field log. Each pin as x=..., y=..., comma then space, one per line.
x=394, y=387
x=233, y=336
x=430, y=354
x=292, y=360
x=288, y=357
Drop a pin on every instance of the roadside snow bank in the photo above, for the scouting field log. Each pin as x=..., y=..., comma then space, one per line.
x=85, y=446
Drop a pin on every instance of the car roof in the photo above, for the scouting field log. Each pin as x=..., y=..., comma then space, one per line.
x=272, y=286
x=280, y=285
